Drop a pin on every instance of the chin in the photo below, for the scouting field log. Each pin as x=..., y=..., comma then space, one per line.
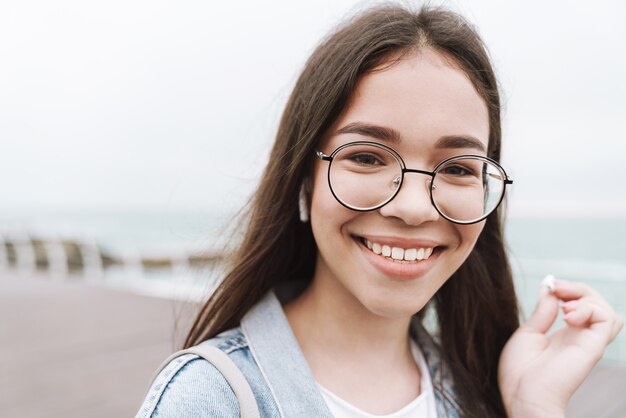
x=395, y=307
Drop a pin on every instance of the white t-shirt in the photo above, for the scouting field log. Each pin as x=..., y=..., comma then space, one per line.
x=423, y=406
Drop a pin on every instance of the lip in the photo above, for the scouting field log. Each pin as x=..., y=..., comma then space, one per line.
x=396, y=270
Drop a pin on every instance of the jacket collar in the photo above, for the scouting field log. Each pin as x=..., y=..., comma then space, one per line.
x=443, y=386
x=278, y=355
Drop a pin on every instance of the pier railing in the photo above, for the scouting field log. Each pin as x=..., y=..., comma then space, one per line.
x=64, y=257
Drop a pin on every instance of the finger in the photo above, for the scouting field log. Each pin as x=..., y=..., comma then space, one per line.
x=571, y=304
x=545, y=313
x=575, y=293
x=617, y=327
x=569, y=291
x=598, y=319
x=566, y=290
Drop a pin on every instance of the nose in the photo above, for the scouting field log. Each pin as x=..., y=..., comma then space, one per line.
x=412, y=204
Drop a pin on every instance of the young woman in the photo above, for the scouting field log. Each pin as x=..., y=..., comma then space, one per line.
x=380, y=202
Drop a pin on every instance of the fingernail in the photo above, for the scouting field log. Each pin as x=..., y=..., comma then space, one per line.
x=561, y=282
x=570, y=304
x=569, y=315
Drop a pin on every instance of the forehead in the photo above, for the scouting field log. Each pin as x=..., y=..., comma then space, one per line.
x=423, y=97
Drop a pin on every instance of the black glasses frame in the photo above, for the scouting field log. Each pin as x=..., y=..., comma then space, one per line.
x=404, y=169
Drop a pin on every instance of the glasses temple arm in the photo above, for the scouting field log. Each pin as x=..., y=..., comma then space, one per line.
x=507, y=180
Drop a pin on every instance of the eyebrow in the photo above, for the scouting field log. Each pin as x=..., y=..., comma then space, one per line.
x=373, y=131
x=459, y=141
x=391, y=135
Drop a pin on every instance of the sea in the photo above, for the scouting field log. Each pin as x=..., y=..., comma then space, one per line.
x=590, y=250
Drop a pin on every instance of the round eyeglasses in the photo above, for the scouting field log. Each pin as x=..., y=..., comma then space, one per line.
x=464, y=189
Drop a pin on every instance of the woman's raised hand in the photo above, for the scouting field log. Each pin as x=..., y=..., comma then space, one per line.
x=538, y=372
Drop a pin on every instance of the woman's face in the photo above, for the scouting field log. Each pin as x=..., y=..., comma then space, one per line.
x=423, y=99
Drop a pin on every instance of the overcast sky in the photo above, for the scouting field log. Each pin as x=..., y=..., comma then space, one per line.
x=174, y=104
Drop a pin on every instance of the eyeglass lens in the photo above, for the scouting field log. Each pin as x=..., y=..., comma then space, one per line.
x=365, y=177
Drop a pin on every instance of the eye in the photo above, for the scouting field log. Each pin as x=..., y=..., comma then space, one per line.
x=366, y=159
x=457, y=171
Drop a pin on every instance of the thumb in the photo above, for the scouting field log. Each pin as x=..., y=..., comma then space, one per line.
x=545, y=312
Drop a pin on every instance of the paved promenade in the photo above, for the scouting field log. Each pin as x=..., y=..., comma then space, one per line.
x=73, y=349
x=70, y=349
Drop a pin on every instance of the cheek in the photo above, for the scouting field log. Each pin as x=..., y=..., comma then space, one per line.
x=468, y=235
x=328, y=216
x=323, y=204
x=320, y=197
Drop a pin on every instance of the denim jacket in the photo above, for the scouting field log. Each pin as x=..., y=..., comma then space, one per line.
x=267, y=353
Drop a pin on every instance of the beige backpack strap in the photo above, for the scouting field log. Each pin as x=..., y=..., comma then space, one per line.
x=230, y=371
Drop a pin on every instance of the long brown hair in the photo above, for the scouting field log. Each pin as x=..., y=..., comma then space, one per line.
x=477, y=307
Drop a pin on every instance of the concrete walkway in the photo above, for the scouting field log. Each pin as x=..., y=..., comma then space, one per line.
x=69, y=349
x=73, y=349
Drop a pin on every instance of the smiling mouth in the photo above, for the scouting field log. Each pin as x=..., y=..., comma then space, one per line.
x=397, y=254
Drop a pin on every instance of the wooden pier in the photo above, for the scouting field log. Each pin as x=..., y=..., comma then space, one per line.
x=70, y=348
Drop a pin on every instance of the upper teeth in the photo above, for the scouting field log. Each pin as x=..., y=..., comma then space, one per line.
x=397, y=253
